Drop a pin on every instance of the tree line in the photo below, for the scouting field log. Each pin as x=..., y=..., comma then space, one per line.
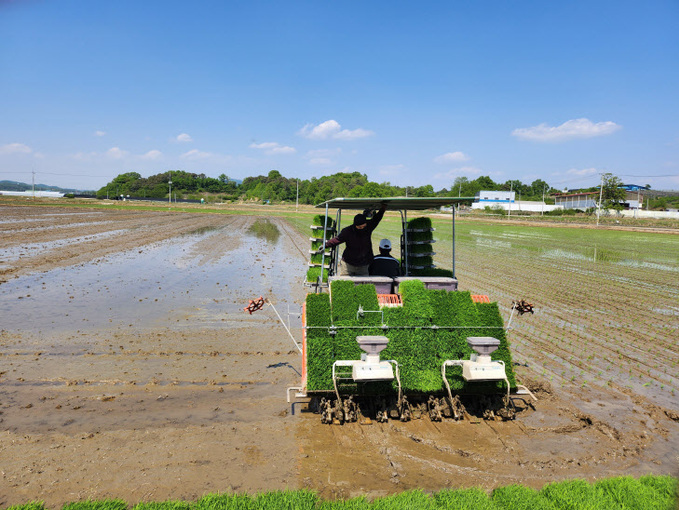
x=274, y=187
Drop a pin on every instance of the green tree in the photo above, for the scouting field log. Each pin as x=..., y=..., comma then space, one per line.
x=612, y=194
x=538, y=187
x=460, y=187
x=424, y=191
x=483, y=183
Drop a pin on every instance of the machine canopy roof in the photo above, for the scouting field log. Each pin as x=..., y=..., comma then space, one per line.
x=395, y=203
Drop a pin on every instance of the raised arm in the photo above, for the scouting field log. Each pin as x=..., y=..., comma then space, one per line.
x=375, y=220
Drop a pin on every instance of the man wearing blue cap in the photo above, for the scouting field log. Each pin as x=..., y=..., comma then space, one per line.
x=358, y=253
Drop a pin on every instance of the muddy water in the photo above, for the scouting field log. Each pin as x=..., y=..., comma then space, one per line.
x=139, y=375
x=166, y=282
x=128, y=369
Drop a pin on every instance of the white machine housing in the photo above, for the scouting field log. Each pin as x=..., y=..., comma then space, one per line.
x=370, y=368
x=480, y=367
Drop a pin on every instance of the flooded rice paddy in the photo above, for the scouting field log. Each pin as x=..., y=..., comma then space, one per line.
x=128, y=368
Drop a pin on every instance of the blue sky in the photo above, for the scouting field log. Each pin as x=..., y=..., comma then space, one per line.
x=411, y=93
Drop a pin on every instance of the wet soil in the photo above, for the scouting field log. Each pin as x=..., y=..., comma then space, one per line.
x=129, y=369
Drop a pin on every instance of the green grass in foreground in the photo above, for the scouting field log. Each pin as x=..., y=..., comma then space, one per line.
x=650, y=492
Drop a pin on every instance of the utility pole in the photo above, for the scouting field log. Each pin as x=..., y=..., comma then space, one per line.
x=33, y=172
x=297, y=199
x=511, y=188
x=169, y=192
x=601, y=194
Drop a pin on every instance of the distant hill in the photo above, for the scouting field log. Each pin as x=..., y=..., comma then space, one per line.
x=22, y=186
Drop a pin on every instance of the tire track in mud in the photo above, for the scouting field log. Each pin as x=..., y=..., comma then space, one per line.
x=135, y=231
x=426, y=455
x=294, y=236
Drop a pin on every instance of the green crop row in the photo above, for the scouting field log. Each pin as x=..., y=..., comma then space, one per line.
x=420, y=223
x=431, y=271
x=314, y=272
x=650, y=492
x=421, y=248
x=432, y=326
x=319, y=220
x=420, y=237
x=317, y=258
x=425, y=260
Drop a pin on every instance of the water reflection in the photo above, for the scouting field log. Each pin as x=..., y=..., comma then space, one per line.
x=264, y=229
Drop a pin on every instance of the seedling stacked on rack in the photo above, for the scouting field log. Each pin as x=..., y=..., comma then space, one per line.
x=317, y=257
x=419, y=237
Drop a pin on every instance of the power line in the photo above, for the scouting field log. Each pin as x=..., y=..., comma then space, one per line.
x=653, y=176
x=70, y=175
x=576, y=179
x=52, y=173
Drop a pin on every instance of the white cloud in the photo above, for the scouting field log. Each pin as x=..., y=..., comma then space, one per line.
x=99, y=133
x=331, y=129
x=583, y=172
x=152, y=155
x=571, y=129
x=15, y=148
x=182, y=138
x=353, y=134
x=116, y=153
x=451, y=157
x=457, y=172
x=273, y=148
x=196, y=154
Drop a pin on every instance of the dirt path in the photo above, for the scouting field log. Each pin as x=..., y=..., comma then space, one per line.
x=128, y=369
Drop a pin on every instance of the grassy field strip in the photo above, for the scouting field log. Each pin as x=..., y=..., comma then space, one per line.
x=646, y=493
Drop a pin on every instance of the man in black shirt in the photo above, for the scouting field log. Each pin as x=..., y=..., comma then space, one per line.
x=384, y=264
x=358, y=254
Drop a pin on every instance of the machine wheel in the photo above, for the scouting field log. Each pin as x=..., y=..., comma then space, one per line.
x=508, y=412
x=404, y=410
x=350, y=410
x=327, y=410
x=435, y=408
x=382, y=411
x=457, y=408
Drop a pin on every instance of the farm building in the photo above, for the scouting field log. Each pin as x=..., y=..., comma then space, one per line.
x=507, y=200
x=577, y=200
x=585, y=200
x=494, y=197
x=633, y=187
